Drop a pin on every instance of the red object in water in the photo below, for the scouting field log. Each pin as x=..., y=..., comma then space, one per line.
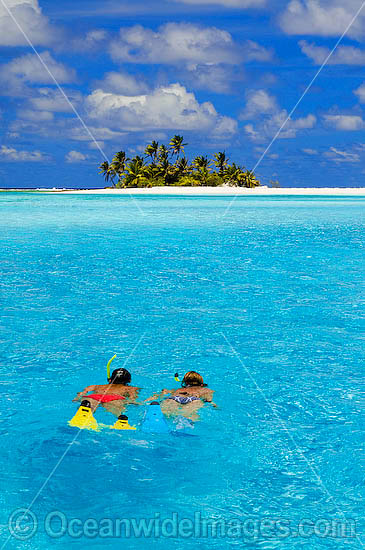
x=105, y=398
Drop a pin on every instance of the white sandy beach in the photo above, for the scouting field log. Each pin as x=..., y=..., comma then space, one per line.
x=223, y=191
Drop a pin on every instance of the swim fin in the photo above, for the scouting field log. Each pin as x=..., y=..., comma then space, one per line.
x=84, y=418
x=122, y=424
x=154, y=420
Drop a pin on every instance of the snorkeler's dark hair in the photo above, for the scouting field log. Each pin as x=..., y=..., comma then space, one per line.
x=192, y=378
x=120, y=376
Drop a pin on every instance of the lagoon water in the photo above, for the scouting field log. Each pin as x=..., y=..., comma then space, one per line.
x=264, y=300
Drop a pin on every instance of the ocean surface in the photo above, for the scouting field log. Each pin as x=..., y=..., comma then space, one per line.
x=264, y=299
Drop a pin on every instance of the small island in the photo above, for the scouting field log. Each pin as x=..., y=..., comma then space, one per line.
x=168, y=166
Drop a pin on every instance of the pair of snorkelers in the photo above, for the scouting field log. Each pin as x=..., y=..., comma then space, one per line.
x=118, y=394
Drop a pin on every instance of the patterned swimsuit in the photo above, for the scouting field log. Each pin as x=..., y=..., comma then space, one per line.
x=183, y=399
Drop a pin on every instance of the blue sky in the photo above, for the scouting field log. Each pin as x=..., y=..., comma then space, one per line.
x=223, y=73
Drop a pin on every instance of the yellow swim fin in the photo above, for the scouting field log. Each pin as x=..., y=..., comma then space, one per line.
x=122, y=424
x=84, y=418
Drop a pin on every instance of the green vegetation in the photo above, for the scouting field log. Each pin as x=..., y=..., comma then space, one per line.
x=163, y=165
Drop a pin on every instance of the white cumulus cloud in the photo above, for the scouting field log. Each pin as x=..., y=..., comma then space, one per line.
x=78, y=133
x=64, y=128
x=75, y=156
x=36, y=116
x=221, y=77
x=338, y=156
x=49, y=99
x=206, y=57
x=122, y=83
x=259, y=102
x=343, y=55
x=97, y=145
x=252, y=51
x=169, y=107
x=321, y=18
x=92, y=41
x=10, y=154
x=311, y=152
x=347, y=123
x=175, y=43
x=267, y=117
x=360, y=93
x=31, y=69
x=216, y=78
x=30, y=18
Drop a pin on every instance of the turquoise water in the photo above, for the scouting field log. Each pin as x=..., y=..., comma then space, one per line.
x=265, y=302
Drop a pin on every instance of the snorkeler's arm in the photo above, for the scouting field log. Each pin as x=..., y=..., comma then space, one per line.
x=133, y=396
x=82, y=393
x=156, y=396
x=208, y=398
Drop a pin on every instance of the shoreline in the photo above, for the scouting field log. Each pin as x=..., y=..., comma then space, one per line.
x=221, y=191
x=208, y=191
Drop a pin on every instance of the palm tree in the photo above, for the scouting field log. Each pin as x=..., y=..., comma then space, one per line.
x=168, y=172
x=221, y=162
x=140, y=160
x=107, y=171
x=119, y=164
x=136, y=170
x=203, y=175
x=163, y=153
x=177, y=145
x=152, y=172
x=202, y=163
x=104, y=170
x=231, y=173
x=152, y=150
x=250, y=179
x=183, y=166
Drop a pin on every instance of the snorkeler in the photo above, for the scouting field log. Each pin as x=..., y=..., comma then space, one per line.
x=115, y=396
x=187, y=400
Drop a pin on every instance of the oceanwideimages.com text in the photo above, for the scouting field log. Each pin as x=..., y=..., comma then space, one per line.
x=24, y=524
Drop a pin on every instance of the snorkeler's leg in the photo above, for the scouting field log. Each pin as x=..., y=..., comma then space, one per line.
x=116, y=407
x=169, y=407
x=94, y=403
x=190, y=410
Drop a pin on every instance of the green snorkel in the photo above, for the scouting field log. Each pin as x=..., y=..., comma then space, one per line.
x=108, y=366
